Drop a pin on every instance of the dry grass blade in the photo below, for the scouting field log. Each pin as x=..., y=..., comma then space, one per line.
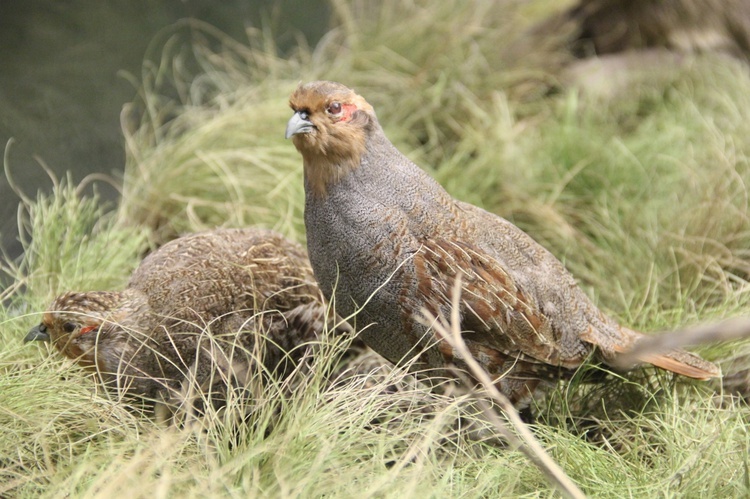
x=521, y=436
x=728, y=330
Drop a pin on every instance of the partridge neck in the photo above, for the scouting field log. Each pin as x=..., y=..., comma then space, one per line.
x=327, y=166
x=321, y=172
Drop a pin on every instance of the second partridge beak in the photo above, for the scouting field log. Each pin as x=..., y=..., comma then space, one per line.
x=299, y=123
x=37, y=333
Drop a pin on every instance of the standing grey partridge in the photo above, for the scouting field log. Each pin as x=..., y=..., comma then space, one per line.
x=208, y=310
x=386, y=242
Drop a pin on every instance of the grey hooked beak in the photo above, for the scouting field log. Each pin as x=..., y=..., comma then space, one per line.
x=299, y=123
x=37, y=333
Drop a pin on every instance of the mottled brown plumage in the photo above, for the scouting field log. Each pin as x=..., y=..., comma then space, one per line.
x=387, y=242
x=205, y=311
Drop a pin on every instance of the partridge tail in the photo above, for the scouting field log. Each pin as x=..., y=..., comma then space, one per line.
x=683, y=362
x=678, y=361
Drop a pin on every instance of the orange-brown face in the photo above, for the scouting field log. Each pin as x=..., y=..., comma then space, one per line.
x=323, y=111
x=73, y=323
x=329, y=128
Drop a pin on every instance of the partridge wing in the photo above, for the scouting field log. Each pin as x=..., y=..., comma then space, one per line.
x=497, y=314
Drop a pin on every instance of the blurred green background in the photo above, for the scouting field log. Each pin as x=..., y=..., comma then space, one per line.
x=68, y=66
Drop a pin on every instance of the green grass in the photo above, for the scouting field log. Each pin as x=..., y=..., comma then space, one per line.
x=642, y=194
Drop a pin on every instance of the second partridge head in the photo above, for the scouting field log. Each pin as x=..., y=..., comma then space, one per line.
x=78, y=324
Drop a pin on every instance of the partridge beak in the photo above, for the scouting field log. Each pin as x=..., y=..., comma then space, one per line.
x=299, y=123
x=37, y=333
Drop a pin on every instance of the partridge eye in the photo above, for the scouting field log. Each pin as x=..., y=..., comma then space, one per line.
x=69, y=327
x=334, y=108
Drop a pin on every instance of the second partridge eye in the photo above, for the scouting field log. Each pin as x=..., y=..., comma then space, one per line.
x=334, y=108
x=69, y=327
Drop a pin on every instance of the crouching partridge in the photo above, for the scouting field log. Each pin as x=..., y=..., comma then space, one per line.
x=207, y=311
x=386, y=242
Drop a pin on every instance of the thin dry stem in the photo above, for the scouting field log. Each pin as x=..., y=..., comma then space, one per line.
x=729, y=330
x=521, y=436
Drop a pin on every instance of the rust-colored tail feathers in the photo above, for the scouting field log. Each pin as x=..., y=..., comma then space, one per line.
x=682, y=362
x=676, y=360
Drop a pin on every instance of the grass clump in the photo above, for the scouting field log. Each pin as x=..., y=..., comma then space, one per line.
x=642, y=195
x=70, y=242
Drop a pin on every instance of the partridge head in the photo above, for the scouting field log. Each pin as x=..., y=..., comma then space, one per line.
x=110, y=333
x=77, y=323
x=329, y=129
x=387, y=242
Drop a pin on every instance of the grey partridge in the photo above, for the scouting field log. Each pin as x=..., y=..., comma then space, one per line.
x=209, y=310
x=387, y=242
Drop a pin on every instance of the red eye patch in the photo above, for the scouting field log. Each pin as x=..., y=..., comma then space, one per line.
x=86, y=329
x=347, y=111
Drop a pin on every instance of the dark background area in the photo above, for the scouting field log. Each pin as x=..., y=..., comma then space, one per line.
x=63, y=78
